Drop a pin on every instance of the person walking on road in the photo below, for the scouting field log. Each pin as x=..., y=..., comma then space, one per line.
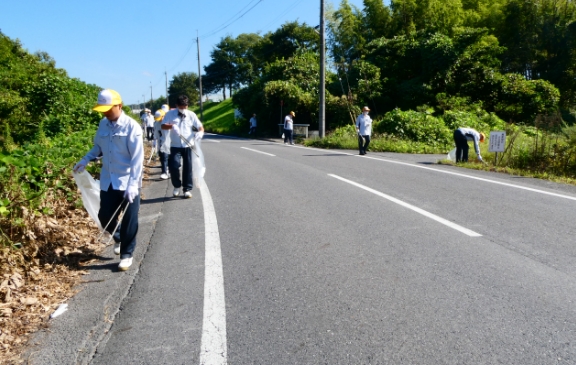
x=149, y=125
x=182, y=123
x=289, y=128
x=253, y=124
x=119, y=140
x=461, y=138
x=364, y=130
x=162, y=143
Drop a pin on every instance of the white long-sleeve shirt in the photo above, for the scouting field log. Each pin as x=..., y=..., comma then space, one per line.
x=472, y=135
x=122, y=151
x=184, y=125
x=364, y=124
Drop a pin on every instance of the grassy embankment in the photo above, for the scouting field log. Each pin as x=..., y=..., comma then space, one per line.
x=218, y=117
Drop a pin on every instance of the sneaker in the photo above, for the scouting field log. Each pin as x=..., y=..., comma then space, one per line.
x=188, y=194
x=164, y=176
x=176, y=192
x=117, y=248
x=125, y=264
x=292, y=144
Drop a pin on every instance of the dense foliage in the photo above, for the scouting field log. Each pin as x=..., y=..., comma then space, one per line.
x=37, y=99
x=509, y=58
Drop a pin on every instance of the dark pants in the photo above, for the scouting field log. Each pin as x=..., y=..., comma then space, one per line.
x=177, y=156
x=363, y=145
x=163, y=161
x=288, y=136
x=150, y=133
x=252, y=130
x=461, y=146
x=126, y=233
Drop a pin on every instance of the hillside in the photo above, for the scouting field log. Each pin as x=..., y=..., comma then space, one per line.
x=218, y=117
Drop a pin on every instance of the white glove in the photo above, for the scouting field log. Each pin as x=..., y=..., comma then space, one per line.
x=80, y=167
x=175, y=128
x=198, y=136
x=131, y=193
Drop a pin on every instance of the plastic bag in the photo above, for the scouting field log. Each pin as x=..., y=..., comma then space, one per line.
x=90, y=190
x=283, y=135
x=198, y=166
x=451, y=155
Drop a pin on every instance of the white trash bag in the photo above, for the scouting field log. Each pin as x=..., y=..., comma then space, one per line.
x=198, y=166
x=90, y=190
x=451, y=155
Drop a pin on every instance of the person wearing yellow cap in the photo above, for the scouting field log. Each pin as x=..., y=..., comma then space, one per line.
x=289, y=128
x=461, y=138
x=119, y=141
x=364, y=130
x=163, y=143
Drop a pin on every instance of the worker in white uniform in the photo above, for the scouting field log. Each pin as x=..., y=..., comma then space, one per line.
x=182, y=122
x=364, y=130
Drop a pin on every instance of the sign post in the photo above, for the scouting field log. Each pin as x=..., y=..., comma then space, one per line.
x=497, y=143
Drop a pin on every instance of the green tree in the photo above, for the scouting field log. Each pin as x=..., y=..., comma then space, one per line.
x=183, y=83
x=285, y=42
x=377, y=19
x=346, y=40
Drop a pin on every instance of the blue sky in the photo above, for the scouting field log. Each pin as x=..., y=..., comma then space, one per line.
x=127, y=45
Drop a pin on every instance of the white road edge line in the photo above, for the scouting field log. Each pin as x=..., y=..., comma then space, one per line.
x=213, y=348
x=476, y=178
x=450, y=173
x=264, y=153
x=446, y=222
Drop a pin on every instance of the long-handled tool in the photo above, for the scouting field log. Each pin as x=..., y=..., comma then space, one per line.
x=119, y=221
x=110, y=221
x=350, y=111
x=189, y=145
x=152, y=154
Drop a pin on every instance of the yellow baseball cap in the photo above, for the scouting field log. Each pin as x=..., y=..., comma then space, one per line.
x=159, y=115
x=293, y=114
x=107, y=98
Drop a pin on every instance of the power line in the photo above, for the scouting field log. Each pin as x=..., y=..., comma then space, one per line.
x=220, y=28
x=232, y=20
x=286, y=11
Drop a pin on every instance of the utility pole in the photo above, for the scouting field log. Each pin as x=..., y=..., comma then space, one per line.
x=151, y=98
x=144, y=100
x=166, y=74
x=200, y=78
x=321, y=113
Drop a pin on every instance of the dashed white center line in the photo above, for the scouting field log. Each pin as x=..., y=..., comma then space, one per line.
x=264, y=153
x=446, y=222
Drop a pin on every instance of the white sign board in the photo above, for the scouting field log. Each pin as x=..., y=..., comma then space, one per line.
x=497, y=141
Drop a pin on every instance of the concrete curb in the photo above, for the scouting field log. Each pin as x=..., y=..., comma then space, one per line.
x=74, y=337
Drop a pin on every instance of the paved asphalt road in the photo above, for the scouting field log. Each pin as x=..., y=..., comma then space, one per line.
x=292, y=255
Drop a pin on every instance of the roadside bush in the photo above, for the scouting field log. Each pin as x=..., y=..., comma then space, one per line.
x=481, y=121
x=32, y=172
x=415, y=126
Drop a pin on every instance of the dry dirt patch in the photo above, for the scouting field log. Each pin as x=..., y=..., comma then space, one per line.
x=45, y=272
